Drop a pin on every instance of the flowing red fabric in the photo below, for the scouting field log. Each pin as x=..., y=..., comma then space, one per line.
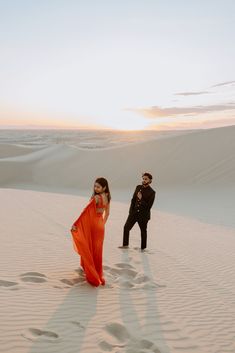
x=88, y=242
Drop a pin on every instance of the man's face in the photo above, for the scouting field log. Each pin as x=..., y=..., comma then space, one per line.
x=145, y=180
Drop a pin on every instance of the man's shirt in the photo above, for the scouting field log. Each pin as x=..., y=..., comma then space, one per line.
x=142, y=206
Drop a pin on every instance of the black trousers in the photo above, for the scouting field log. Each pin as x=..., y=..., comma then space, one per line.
x=142, y=222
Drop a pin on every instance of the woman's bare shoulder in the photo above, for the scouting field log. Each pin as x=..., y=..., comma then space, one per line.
x=105, y=198
x=97, y=198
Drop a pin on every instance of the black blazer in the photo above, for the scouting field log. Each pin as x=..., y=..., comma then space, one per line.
x=148, y=197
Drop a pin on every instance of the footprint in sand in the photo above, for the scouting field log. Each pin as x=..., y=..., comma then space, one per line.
x=106, y=268
x=126, y=270
x=126, y=276
x=123, y=272
x=141, y=280
x=4, y=283
x=72, y=281
x=117, y=336
x=144, y=281
x=33, y=334
x=124, y=265
x=79, y=271
x=77, y=324
x=33, y=277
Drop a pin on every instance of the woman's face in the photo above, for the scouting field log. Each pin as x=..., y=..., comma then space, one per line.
x=98, y=188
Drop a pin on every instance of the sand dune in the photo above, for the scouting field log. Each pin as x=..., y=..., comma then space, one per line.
x=201, y=158
x=177, y=297
x=194, y=173
x=14, y=150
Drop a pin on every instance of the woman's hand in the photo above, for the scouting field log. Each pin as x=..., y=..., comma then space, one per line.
x=74, y=228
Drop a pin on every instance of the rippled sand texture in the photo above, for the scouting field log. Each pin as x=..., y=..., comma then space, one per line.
x=178, y=296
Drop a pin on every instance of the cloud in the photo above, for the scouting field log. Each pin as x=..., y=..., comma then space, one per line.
x=158, y=112
x=189, y=125
x=227, y=83
x=195, y=93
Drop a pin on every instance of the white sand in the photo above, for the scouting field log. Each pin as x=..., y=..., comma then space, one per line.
x=194, y=172
x=203, y=158
x=176, y=297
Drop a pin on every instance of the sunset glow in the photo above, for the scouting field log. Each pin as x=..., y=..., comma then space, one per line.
x=125, y=65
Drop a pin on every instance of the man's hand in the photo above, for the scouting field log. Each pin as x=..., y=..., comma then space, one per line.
x=139, y=195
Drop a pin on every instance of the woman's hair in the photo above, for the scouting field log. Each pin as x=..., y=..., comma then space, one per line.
x=103, y=182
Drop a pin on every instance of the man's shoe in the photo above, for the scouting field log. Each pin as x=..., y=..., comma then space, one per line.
x=123, y=246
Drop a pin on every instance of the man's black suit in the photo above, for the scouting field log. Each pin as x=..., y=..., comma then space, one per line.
x=139, y=211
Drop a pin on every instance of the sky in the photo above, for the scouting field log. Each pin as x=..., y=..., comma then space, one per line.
x=126, y=64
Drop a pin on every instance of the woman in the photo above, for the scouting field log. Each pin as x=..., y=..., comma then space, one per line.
x=88, y=232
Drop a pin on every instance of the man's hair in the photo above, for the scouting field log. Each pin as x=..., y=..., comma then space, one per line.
x=148, y=175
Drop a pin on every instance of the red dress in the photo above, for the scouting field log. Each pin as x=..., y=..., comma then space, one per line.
x=88, y=241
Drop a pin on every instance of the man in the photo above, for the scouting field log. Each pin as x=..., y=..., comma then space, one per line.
x=139, y=211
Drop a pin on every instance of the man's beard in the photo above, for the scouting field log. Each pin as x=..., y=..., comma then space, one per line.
x=143, y=183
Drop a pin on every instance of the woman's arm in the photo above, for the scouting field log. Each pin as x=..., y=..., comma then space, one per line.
x=106, y=213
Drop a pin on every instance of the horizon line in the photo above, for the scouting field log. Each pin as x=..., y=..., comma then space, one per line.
x=20, y=127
